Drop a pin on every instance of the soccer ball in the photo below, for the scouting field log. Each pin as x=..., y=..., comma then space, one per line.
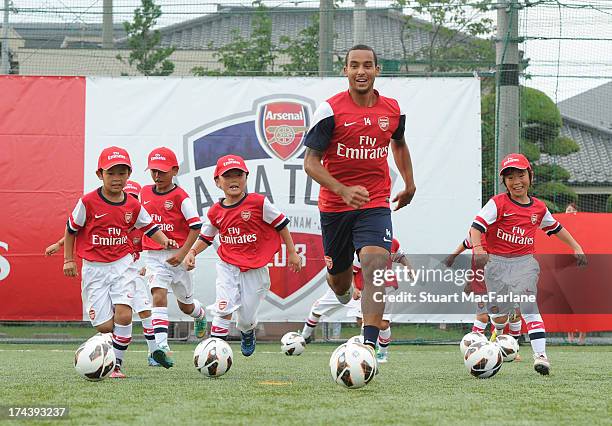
x=293, y=343
x=94, y=360
x=469, y=339
x=213, y=357
x=508, y=346
x=104, y=337
x=352, y=365
x=356, y=339
x=483, y=359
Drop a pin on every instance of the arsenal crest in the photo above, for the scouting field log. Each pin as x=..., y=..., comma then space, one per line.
x=128, y=217
x=281, y=126
x=534, y=218
x=245, y=215
x=383, y=123
x=168, y=204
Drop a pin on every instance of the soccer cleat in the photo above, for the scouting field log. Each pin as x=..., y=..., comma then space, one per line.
x=247, y=343
x=541, y=364
x=152, y=362
x=493, y=335
x=117, y=373
x=200, y=327
x=162, y=356
x=308, y=339
x=382, y=356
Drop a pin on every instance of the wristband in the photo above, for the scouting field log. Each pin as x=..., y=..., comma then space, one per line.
x=68, y=261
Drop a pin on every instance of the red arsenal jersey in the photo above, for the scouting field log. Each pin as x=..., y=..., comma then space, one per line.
x=510, y=227
x=355, y=142
x=102, y=226
x=173, y=211
x=248, y=231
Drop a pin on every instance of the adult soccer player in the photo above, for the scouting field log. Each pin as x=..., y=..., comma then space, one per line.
x=347, y=148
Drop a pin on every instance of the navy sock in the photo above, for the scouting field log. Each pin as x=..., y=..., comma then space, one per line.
x=370, y=335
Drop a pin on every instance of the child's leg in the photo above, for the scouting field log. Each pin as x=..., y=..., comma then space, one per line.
x=182, y=286
x=384, y=337
x=122, y=331
x=227, y=298
x=481, y=319
x=310, y=324
x=146, y=318
x=220, y=326
x=159, y=315
x=253, y=286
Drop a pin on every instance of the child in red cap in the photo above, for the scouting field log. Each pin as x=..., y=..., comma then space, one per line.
x=100, y=224
x=509, y=222
x=250, y=229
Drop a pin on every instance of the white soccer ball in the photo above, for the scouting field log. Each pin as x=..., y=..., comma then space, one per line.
x=105, y=337
x=470, y=339
x=94, y=360
x=356, y=339
x=352, y=365
x=293, y=343
x=213, y=357
x=483, y=359
x=508, y=346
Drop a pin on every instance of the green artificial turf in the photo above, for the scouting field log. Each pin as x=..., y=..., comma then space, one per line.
x=420, y=385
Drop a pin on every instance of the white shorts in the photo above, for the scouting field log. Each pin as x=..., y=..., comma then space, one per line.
x=106, y=285
x=327, y=304
x=516, y=275
x=240, y=293
x=160, y=274
x=142, y=293
x=355, y=307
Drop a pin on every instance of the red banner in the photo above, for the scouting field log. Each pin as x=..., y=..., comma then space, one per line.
x=580, y=289
x=42, y=135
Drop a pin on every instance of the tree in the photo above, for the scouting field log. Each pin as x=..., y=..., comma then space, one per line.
x=247, y=56
x=540, y=125
x=143, y=42
x=455, y=27
x=303, y=51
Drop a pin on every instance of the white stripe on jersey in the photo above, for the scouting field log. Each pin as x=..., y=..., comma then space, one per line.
x=323, y=111
x=189, y=212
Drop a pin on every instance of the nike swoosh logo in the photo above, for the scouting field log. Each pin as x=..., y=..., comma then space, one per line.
x=349, y=124
x=508, y=214
x=98, y=216
x=386, y=240
x=146, y=202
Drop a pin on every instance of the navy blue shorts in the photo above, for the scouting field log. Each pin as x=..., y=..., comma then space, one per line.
x=346, y=232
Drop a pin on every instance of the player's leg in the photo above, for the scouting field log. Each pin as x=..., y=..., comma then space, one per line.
x=182, y=286
x=339, y=251
x=310, y=325
x=159, y=279
x=122, y=336
x=481, y=318
x=324, y=305
x=372, y=236
x=142, y=305
x=254, y=285
x=227, y=299
x=384, y=339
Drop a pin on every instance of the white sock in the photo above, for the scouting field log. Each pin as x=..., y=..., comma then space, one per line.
x=122, y=336
x=160, y=325
x=537, y=337
x=309, y=325
x=515, y=329
x=479, y=326
x=149, y=334
x=220, y=328
x=384, y=338
x=198, y=310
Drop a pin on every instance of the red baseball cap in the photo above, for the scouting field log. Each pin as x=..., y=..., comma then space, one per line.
x=514, y=161
x=132, y=187
x=112, y=156
x=162, y=159
x=229, y=162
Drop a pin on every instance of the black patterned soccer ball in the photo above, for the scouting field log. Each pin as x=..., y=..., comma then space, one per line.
x=293, y=343
x=352, y=365
x=213, y=357
x=94, y=360
x=483, y=359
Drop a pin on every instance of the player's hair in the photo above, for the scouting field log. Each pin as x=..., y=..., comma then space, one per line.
x=361, y=47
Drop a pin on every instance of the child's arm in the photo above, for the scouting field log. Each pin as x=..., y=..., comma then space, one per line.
x=481, y=257
x=70, y=266
x=567, y=238
x=180, y=255
x=199, y=246
x=451, y=257
x=295, y=262
x=54, y=248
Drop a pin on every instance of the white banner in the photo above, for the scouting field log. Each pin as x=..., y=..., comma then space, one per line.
x=264, y=121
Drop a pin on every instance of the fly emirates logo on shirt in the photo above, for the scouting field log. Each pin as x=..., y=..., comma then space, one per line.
x=517, y=236
x=233, y=236
x=366, y=150
x=165, y=227
x=114, y=238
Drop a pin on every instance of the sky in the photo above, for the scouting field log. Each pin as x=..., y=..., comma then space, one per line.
x=552, y=62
